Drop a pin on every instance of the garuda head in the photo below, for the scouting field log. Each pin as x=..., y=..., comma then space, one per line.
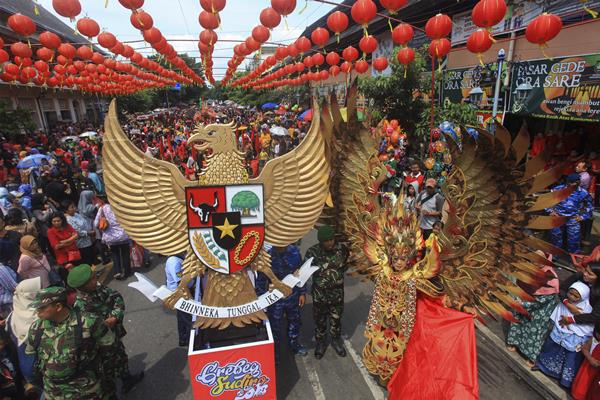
x=218, y=138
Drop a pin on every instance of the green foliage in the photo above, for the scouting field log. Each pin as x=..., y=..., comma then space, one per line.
x=395, y=96
x=255, y=98
x=245, y=200
x=459, y=114
x=15, y=122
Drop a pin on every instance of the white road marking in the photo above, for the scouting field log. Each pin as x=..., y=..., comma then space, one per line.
x=313, y=378
x=376, y=390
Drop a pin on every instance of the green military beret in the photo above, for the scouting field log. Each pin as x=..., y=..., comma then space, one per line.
x=325, y=233
x=79, y=276
x=49, y=296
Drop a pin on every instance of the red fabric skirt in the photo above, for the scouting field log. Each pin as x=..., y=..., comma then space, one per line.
x=586, y=385
x=440, y=362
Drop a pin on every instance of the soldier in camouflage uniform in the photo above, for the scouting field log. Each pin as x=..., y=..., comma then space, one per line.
x=67, y=345
x=108, y=304
x=328, y=290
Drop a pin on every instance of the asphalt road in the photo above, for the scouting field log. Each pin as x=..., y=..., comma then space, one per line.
x=152, y=340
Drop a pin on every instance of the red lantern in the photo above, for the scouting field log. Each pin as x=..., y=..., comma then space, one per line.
x=346, y=67
x=488, y=13
x=363, y=11
x=44, y=53
x=402, y=34
x=252, y=44
x=41, y=66
x=284, y=7
x=83, y=52
x=323, y=75
x=479, y=42
x=334, y=70
x=21, y=49
x=151, y=36
x=21, y=24
x=117, y=48
x=337, y=23
x=107, y=40
x=303, y=44
x=308, y=61
x=141, y=20
x=270, y=18
x=368, y=44
x=4, y=57
x=98, y=58
x=361, y=66
x=49, y=40
x=127, y=51
x=11, y=69
x=438, y=26
x=270, y=61
x=380, y=63
x=406, y=56
x=293, y=50
x=281, y=53
x=261, y=34
x=332, y=58
x=88, y=27
x=213, y=6
x=318, y=59
x=350, y=54
x=439, y=48
x=23, y=62
x=67, y=50
x=209, y=20
x=299, y=67
x=132, y=4
x=320, y=37
x=67, y=8
x=393, y=5
x=543, y=28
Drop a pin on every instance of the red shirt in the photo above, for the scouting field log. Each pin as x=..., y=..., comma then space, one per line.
x=55, y=236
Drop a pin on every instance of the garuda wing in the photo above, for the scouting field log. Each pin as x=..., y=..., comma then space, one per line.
x=492, y=209
x=297, y=184
x=146, y=195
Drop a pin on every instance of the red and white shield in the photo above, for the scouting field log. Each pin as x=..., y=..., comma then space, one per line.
x=226, y=225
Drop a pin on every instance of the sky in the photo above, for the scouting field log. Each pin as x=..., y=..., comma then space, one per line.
x=178, y=19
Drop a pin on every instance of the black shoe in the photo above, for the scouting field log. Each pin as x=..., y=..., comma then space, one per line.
x=297, y=348
x=130, y=381
x=338, y=346
x=320, y=350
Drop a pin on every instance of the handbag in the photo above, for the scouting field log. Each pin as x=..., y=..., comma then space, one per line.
x=73, y=255
x=103, y=222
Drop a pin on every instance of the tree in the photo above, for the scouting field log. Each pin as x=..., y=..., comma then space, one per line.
x=15, y=122
x=245, y=201
x=459, y=114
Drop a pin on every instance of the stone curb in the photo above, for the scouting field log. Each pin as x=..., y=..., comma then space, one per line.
x=544, y=386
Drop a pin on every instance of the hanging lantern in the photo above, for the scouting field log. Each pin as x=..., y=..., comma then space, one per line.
x=346, y=67
x=107, y=40
x=132, y=4
x=49, y=40
x=281, y=53
x=270, y=18
x=88, y=27
x=21, y=24
x=284, y=7
x=320, y=37
x=542, y=29
x=380, y=64
x=334, y=70
x=67, y=8
x=488, y=13
x=367, y=44
x=293, y=50
x=402, y=34
x=83, y=52
x=213, y=6
x=438, y=27
x=299, y=67
x=308, y=61
x=438, y=48
x=127, y=51
x=350, y=54
x=303, y=44
x=21, y=49
x=4, y=56
x=67, y=50
x=252, y=44
x=405, y=56
x=393, y=5
x=479, y=42
x=117, y=48
x=141, y=20
x=361, y=66
x=44, y=53
x=363, y=11
x=337, y=22
x=261, y=34
x=151, y=36
x=323, y=75
x=318, y=59
x=332, y=58
x=208, y=20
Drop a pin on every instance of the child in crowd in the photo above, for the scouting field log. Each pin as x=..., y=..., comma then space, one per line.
x=587, y=383
x=561, y=353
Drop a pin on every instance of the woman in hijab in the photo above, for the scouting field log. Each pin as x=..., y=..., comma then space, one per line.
x=33, y=263
x=42, y=211
x=19, y=323
x=86, y=206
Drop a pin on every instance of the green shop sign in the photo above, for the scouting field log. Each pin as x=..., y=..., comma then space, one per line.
x=565, y=89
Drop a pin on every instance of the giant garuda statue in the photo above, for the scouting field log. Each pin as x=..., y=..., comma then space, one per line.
x=220, y=221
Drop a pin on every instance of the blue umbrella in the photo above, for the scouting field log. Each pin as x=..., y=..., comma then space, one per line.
x=269, y=106
x=306, y=115
x=32, y=161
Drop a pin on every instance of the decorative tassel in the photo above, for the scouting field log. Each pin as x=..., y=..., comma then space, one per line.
x=405, y=70
x=287, y=28
x=304, y=8
x=480, y=58
x=337, y=36
x=543, y=49
x=105, y=3
x=593, y=13
x=36, y=10
x=390, y=25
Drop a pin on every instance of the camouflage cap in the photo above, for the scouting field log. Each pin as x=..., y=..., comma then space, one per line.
x=325, y=233
x=49, y=296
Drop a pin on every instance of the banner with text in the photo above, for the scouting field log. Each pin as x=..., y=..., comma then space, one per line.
x=564, y=89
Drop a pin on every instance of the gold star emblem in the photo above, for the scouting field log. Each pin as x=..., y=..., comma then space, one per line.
x=226, y=229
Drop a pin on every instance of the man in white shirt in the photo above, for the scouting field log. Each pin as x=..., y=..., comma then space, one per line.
x=430, y=204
